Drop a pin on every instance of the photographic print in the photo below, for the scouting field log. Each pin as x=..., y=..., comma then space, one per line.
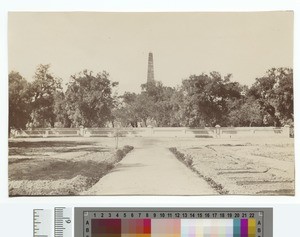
x=151, y=103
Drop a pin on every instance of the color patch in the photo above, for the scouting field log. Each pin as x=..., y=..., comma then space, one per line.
x=165, y=228
x=236, y=228
x=244, y=227
x=191, y=228
x=136, y=228
x=106, y=227
x=251, y=227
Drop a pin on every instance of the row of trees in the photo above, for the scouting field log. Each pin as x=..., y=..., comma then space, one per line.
x=201, y=100
x=210, y=99
x=88, y=100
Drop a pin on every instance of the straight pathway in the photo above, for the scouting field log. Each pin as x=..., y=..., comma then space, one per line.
x=151, y=170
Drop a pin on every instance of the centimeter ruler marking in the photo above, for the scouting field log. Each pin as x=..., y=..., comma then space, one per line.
x=62, y=222
x=42, y=223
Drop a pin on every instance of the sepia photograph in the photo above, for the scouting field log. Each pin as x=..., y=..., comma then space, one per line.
x=190, y=103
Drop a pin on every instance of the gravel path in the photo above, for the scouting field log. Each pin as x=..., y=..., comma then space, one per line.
x=151, y=170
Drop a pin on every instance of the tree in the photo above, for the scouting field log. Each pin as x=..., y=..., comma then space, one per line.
x=143, y=108
x=163, y=107
x=44, y=89
x=154, y=89
x=60, y=110
x=274, y=93
x=136, y=108
x=89, y=99
x=178, y=116
x=246, y=114
x=154, y=105
x=124, y=112
x=206, y=99
x=19, y=101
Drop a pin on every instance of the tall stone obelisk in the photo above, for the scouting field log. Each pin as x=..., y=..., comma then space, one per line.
x=150, y=75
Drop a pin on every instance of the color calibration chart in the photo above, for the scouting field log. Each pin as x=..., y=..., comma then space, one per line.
x=208, y=222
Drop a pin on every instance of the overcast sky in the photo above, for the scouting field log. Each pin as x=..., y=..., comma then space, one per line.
x=244, y=44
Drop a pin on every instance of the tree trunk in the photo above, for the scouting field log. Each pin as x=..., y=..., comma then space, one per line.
x=277, y=122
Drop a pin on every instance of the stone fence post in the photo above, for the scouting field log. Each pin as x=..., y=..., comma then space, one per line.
x=46, y=134
x=218, y=130
x=286, y=130
x=81, y=131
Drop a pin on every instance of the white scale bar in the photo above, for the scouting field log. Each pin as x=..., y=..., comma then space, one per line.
x=42, y=223
x=63, y=222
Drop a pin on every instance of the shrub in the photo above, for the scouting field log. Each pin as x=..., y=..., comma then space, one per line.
x=121, y=153
x=187, y=160
x=127, y=149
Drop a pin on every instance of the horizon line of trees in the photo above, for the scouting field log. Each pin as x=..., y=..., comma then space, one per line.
x=200, y=100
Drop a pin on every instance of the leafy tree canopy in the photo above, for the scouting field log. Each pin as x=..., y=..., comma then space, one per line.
x=44, y=89
x=19, y=101
x=274, y=93
x=206, y=97
x=89, y=99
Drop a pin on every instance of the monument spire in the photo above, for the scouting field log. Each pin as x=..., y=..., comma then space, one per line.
x=150, y=75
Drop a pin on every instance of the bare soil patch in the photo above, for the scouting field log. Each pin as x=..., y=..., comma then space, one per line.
x=244, y=167
x=59, y=167
x=30, y=169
